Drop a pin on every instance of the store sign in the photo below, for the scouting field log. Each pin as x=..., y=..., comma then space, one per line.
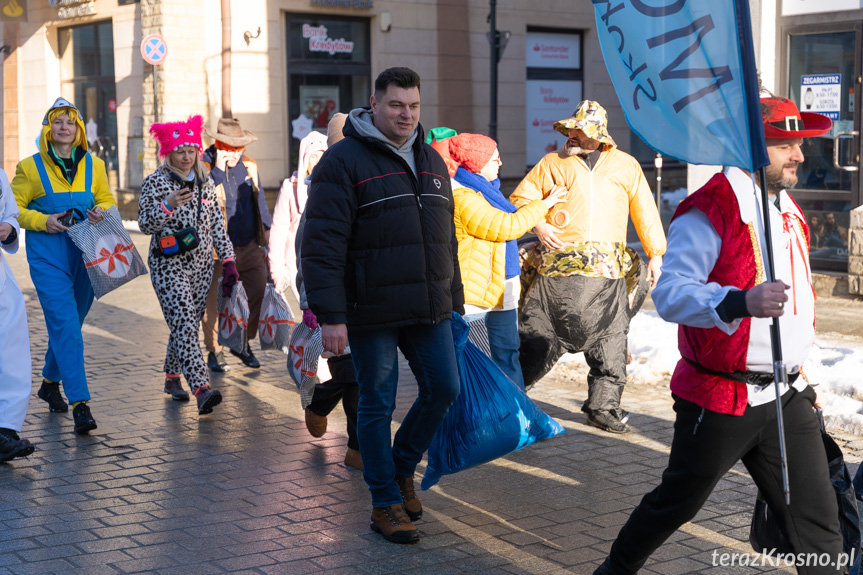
x=73, y=8
x=822, y=93
x=547, y=102
x=794, y=7
x=13, y=10
x=547, y=50
x=319, y=41
x=355, y=4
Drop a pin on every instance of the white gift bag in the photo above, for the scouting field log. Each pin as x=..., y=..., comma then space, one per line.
x=233, y=317
x=109, y=255
x=274, y=327
x=303, y=357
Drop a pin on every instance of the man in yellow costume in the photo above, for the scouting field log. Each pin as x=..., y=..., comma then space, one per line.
x=579, y=300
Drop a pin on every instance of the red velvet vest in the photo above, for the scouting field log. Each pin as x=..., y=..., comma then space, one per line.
x=739, y=265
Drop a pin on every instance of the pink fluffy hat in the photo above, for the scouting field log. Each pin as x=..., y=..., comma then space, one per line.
x=173, y=135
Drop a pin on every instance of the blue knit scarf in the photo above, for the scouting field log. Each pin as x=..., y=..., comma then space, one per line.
x=491, y=192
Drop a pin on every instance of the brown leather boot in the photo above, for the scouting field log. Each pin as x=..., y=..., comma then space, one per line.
x=412, y=504
x=392, y=522
x=316, y=424
x=354, y=459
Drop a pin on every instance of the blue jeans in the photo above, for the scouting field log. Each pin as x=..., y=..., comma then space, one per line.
x=430, y=353
x=503, y=338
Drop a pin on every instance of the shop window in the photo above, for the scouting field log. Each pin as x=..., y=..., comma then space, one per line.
x=329, y=71
x=87, y=80
x=554, y=87
x=821, y=79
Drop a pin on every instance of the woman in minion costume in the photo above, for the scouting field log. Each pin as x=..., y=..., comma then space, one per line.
x=54, y=189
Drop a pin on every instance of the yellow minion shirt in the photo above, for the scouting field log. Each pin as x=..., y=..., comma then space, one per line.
x=27, y=186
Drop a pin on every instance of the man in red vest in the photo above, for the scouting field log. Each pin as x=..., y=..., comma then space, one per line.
x=713, y=285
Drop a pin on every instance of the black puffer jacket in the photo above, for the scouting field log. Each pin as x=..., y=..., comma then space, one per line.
x=379, y=246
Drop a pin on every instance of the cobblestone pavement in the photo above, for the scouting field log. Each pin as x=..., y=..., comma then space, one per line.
x=157, y=489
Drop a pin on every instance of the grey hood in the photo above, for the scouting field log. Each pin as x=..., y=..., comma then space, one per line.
x=361, y=119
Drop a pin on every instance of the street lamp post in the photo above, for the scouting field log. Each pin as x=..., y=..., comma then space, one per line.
x=494, y=40
x=497, y=40
x=657, y=163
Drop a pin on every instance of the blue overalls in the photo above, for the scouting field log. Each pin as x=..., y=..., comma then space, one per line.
x=61, y=281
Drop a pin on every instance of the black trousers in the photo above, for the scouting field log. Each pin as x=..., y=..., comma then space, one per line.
x=572, y=314
x=343, y=386
x=706, y=445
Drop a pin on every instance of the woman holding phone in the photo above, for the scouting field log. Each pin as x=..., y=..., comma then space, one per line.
x=178, y=207
x=57, y=187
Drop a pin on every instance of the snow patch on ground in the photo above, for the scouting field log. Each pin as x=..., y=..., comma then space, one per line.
x=835, y=364
x=669, y=201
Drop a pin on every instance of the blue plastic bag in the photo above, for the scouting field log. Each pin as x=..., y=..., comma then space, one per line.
x=492, y=416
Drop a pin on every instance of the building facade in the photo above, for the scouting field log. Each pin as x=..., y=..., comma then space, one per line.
x=293, y=63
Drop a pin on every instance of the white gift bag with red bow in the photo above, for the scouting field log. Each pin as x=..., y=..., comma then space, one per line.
x=233, y=317
x=305, y=352
x=109, y=255
x=274, y=327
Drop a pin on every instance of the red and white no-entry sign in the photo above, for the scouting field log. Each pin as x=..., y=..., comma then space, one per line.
x=154, y=49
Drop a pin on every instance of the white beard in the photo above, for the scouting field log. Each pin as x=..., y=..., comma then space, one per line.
x=575, y=150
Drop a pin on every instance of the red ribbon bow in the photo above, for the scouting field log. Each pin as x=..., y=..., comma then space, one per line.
x=229, y=321
x=269, y=323
x=109, y=257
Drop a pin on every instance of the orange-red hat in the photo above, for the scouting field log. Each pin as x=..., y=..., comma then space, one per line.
x=473, y=151
x=782, y=119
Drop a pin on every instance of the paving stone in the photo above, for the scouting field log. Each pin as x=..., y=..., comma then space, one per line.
x=158, y=489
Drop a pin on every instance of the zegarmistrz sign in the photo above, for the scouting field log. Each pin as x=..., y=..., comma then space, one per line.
x=821, y=93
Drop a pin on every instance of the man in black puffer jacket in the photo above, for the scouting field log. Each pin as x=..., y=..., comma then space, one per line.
x=380, y=264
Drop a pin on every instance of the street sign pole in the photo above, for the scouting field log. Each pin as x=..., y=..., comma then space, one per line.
x=155, y=95
x=154, y=50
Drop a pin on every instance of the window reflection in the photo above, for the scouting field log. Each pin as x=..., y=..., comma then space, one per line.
x=828, y=228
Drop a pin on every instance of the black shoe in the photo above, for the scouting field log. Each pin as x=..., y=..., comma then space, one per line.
x=207, y=399
x=175, y=388
x=620, y=414
x=607, y=421
x=12, y=446
x=248, y=357
x=50, y=392
x=216, y=362
x=603, y=569
x=84, y=421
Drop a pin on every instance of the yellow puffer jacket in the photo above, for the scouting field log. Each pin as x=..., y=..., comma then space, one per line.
x=482, y=231
x=599, y=202
x=27, y=186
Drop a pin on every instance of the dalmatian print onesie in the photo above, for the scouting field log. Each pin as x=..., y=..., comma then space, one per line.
x=182, y=281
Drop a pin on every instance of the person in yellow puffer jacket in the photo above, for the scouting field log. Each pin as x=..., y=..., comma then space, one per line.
x=487, y=226
x=61, y=185
x=579, y=301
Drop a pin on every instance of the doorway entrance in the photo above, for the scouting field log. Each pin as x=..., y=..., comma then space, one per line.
x=823, y=64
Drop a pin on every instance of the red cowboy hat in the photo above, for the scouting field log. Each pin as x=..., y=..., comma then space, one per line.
x=782, y=119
